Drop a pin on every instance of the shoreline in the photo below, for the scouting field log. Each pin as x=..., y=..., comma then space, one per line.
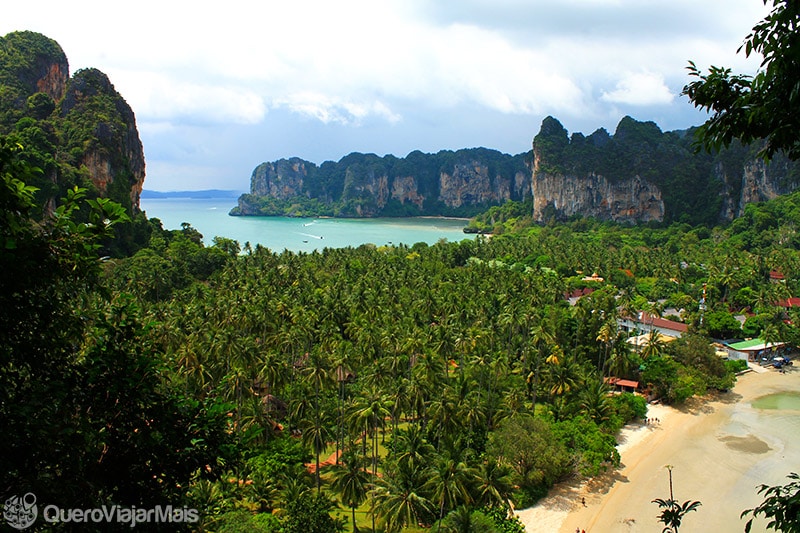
x=720, y=449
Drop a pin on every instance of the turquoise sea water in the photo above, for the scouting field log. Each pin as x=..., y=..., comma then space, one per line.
x=210, y=217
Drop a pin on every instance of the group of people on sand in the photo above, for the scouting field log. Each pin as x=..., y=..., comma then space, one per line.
x=652, y=421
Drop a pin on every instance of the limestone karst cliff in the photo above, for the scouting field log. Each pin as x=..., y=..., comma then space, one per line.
x=365, y=185
x=112, y=150
x=79, y=129
x=638, y=174
x=564, y=196
x=641, y=174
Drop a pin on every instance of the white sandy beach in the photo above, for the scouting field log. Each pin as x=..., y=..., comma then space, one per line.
x=721, y=449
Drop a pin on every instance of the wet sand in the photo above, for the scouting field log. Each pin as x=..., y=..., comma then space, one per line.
x=720, y=448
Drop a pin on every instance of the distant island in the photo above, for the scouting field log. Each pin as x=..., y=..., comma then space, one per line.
x=207, y=193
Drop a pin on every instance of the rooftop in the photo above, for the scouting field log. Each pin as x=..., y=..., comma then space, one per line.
x=754, y=345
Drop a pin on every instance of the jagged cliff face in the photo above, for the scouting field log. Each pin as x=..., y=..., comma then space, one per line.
x=32, y=63
x=53, y=78
x=95, y=127
x=563, y=196
x=282, y=179
x=469, y=184
x=762, y=182
x=406, y=191
x=754, y=181
x=366, y=185
x=642, y=174
x=113, y=151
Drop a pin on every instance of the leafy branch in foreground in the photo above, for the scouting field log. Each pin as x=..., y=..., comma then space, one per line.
x=763, y=106
x=781, y=504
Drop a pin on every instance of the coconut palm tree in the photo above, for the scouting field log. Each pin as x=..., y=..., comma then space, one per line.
x=450, y=480
x=412, y=450
x=654, y=346
x=368, y=413
x=594, y=401
x=350, y=481
x=400, y=501
x=493, y=486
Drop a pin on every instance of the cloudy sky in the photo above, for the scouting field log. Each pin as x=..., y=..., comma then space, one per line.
x=219, y=87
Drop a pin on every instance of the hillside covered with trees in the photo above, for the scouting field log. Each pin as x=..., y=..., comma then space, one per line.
x=397, y=388
x=451, y=378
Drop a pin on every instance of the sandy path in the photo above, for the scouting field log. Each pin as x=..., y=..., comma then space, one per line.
x=720, y=451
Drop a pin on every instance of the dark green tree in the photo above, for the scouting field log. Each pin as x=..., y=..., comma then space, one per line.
x=310, y=514
x=764, y=106
x=86, y=415
x=350, y=480
x=781, y=506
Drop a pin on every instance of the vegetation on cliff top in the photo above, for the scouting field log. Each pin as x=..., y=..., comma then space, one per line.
x=83, y=115
x=691, y=182
x=347, y=187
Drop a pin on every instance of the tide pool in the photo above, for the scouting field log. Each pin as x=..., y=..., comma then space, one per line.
x=210, y=217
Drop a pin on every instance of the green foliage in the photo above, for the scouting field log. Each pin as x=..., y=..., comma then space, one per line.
x=347, y=188
x=279, y=457
x=533, y=450
x=764, y=106
x=630, y=406
x=699, y=359
x=593, y=450
x=504, y=523
x=722, y=325
x=735, y=365
x=310, y=514
x=672, y=511
x=242, y=521
x=89, y=416
x=74, y=123
x=465, y=520
x=499, y=219
x=781, y=506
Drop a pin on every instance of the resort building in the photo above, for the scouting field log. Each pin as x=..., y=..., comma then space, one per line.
x=754, y=350
x=643, y=323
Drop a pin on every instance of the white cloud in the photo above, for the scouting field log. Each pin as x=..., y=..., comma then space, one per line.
x=640, y=89
x=357, y=66
x=158, y=97
x=329, y=109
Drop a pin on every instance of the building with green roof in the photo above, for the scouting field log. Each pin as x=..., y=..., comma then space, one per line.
x=753, y=350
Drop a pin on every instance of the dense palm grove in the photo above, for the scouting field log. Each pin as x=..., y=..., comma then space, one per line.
x=388, y=388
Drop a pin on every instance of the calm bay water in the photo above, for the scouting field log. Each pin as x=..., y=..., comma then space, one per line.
x=210, y=217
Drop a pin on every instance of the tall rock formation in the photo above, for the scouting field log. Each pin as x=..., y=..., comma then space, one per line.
x=641, y=174
x=365, y=185
x=112, y=151
x=81, y=129
x=630, y=201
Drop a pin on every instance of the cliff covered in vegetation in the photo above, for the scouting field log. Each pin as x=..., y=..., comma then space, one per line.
x=642, y=174
x=638, y=174
x=79, y=130
x=460, y=183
